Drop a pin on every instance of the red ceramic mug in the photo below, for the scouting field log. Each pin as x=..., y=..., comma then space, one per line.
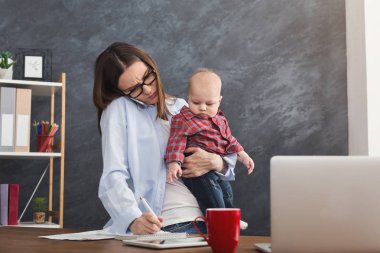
x=223, y=228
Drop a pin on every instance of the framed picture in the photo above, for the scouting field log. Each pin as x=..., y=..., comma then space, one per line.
x=33, y=64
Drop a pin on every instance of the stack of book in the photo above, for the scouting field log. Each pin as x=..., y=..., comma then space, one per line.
x=9, y=198
x=15, y=110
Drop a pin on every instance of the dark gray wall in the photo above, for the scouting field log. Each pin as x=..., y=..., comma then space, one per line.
x=283, y=66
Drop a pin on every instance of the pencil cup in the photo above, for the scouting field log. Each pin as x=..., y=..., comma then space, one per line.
x=44, y=143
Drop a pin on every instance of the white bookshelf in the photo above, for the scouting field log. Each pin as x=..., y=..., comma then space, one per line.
x=31, y=224
x=38, y=88
x=28, y=155
x=48, y=89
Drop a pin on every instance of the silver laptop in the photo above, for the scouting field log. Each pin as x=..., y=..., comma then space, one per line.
x=324, y=204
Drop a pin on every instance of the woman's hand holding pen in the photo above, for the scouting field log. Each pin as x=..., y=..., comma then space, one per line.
x=147, y=223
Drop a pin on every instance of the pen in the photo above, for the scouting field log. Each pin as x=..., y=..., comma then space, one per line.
x=147, y=206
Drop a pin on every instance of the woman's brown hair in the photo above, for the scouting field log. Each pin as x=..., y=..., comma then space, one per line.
x=109, y=66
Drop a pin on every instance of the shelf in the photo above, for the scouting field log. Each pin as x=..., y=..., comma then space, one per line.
x=31, y=224
x=28, y=155
x=48, y=89
x=39, y=88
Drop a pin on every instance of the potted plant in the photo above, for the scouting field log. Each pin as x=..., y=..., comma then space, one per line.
x=39, y=207
x=6, y=65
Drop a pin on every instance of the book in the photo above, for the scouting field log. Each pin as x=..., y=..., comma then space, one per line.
x=23, y=110
x=4, y=204
x=13, y=204
x=7, y=118
x=161, y=235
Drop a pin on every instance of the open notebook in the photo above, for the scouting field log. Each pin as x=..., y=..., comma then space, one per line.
x=161, y=235
x=168, y=243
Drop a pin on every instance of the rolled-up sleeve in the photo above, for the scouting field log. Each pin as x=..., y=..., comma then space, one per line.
x=231, y=162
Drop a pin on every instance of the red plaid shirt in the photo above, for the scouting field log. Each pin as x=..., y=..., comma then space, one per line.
x=188, y=130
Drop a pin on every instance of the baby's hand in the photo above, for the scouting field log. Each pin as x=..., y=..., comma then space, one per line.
x=174, y=171
x=244, y=158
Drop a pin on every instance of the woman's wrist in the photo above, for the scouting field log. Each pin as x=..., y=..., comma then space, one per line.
x=130, y=227
x=219, y=164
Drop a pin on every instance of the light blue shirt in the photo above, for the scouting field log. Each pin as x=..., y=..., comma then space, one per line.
x=133, y=149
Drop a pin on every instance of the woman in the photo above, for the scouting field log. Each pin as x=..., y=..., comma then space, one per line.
x=133, y=117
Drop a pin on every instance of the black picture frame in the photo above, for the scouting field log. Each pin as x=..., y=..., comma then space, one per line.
x=33, y=64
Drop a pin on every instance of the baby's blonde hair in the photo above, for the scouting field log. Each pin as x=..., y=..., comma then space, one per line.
x=203, y=70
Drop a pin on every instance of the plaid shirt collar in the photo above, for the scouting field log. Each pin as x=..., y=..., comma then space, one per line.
x=185, y=111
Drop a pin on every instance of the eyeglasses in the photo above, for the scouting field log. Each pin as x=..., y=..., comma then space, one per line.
x=137, y=90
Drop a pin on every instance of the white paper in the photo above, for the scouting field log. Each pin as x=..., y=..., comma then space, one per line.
x=22, y=130
x=106, y=234
x=33, y=66
x=82, y=236
x=7, y=127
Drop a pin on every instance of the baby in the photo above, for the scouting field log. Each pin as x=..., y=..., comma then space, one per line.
x=203, y=125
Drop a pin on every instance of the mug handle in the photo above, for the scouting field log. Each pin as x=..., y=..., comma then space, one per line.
x=196, y=228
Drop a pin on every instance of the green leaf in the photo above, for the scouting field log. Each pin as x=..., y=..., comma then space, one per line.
x=5, y=56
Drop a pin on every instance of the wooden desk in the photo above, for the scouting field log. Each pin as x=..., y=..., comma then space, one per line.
x=22, y=240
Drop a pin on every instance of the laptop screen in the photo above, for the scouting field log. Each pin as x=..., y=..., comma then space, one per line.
x=325, y=204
